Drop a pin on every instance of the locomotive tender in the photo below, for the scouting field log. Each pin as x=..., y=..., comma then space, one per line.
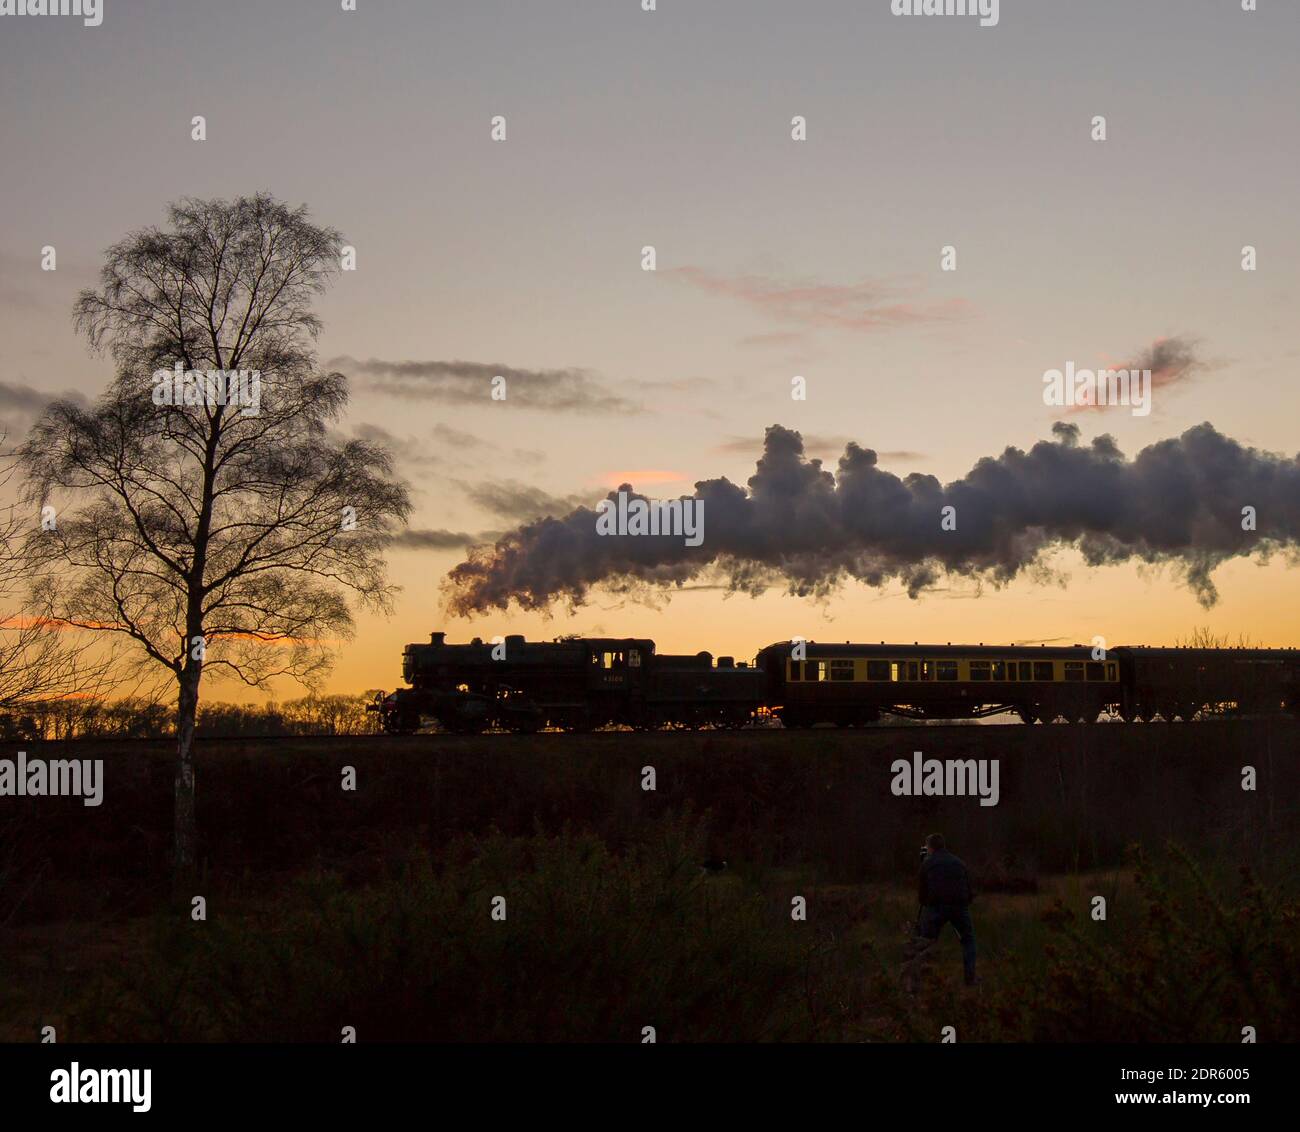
x=581, y=683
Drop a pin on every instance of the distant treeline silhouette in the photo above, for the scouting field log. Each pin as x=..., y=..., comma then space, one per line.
x=140, y=718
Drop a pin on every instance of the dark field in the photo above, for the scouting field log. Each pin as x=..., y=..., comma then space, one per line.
x=328, y=908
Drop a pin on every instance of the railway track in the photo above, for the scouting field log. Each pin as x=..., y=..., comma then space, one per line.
x=611, y=735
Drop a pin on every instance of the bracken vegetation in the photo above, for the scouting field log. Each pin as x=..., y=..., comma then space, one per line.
x=595, y=945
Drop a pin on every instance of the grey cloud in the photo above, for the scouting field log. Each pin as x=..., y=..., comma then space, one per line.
x=521, y=502
x=465, y=383
x=26, y=400
x=407, y=453
x=426, y=539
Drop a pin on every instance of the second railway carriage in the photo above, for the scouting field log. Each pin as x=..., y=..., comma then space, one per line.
x=852, y=684
x=1183, y=681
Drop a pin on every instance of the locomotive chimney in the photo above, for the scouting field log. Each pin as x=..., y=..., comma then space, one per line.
x=437, y=638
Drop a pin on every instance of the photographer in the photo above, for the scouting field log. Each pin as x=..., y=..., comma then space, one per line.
x=945, y=895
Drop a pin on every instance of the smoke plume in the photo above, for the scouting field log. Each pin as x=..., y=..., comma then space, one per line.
x=798, y=525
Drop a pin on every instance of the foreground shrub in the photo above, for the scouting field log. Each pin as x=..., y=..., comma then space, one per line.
x=592, y=947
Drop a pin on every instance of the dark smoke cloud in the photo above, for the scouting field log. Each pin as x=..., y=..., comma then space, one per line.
x=1179, y=501
x=464, y=383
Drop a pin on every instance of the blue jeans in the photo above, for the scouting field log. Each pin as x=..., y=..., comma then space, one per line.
x=930, y=924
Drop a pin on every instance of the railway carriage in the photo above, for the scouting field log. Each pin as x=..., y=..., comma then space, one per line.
x=853, y=684
x=1182, y=682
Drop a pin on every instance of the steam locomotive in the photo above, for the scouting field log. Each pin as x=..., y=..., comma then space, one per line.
x=582, y=683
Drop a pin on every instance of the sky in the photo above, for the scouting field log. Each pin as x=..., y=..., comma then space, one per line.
x=774, y=258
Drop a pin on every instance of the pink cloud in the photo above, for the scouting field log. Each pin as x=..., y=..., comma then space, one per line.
x=869, y=305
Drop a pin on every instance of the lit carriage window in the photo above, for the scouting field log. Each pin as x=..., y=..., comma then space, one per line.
x=927, y=670
x=895, y=671
x=1027, y=670
x=821, y=669
x=877, y=670
x=1096, y=671
x=979, y=670
x=841, y=670
x=946, y=669
x=1073, y=670
x=1043, y=670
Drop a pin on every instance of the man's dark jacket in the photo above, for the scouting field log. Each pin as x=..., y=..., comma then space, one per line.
x=944, y=880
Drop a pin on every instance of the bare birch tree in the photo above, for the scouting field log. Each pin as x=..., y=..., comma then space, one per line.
x=214, y=533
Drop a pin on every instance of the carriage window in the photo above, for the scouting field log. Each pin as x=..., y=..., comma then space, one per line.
x=634, y=658
x=927, y=670
x=946, y=669
x=1043, y=670
x=877, y=670
x=1073, y=670
x=1110, y=671
x=841, y=670
x=979, y=670
x=1010, y=667
x=796, y=669
x=911, y=669
x=821, y=670
x=895, y=671
x=1027, y=670
x=1096, y=671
